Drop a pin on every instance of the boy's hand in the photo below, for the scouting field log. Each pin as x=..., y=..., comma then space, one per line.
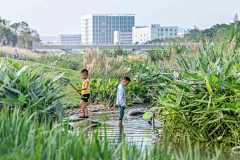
x=78, y=90
x=125, y=105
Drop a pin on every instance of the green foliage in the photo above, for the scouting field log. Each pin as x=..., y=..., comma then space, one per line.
x=118, y=51
x=148, y=115
x=22, y=136
x=200, y=96
x=30, y=87
x=19, y=34
x=105, y=90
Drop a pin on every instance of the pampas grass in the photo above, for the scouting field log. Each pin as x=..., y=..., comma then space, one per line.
x=99, y=65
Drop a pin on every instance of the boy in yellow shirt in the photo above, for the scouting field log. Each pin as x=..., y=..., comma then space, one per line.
x=85, y=94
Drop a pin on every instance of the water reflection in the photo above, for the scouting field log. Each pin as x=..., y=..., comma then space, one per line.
x=121, y=133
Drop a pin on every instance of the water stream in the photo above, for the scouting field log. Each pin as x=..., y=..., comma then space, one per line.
x=135, y=129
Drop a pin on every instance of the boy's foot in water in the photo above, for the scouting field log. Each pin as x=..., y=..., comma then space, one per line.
x=83, y=116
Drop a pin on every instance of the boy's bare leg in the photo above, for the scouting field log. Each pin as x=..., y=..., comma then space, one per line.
x=82, y=107
x=86, y=109
x=120, y=122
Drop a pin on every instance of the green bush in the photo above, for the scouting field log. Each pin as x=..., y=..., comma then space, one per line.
x=30, y=87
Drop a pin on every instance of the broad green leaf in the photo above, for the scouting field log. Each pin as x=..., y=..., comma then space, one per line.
x=60, y=110
x=237, y=66
x=53, y=94
x=212, y=79
x=37, y=103
x=209, y=87
x=147, y=115
x=4, y=78
x=24, y=80
x=179, y=98
x=22, y=70
x=12, y=77
x=231, y=106
x=58, y=77
x=229, y=68
x=10, y=100
x=12, y=89
x=194, y=76
x=236, y=87
x=22, y=98
x=35, y=71
x=10, y=61
x=203, y=65
x=16, y=66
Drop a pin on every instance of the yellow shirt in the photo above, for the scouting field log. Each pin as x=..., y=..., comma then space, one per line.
x=87, y=91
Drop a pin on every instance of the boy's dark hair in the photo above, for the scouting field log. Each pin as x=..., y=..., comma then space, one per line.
x=127, y=79
x=84, y=71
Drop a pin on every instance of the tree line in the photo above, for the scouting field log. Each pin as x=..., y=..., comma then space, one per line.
x=17, y=34
x=215, y=34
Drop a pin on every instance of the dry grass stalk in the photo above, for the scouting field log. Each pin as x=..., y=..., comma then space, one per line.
x=165, y=61
x=173, y=56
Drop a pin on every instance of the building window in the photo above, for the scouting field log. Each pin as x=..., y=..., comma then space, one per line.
x=162, y=30
x=158, y=34
x=161, y=34
x=170, y=29
x=170, y=34
x=166, y=29
x=175, y=34
x=158, y=30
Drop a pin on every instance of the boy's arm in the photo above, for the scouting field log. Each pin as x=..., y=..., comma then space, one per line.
x=85, y=87
x=123, y=98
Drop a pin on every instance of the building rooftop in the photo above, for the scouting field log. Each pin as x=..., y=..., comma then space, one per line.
x=109, y=14
x=141, y=26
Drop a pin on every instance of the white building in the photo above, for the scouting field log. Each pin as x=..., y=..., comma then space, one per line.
x=70, y=39
x=186, y=31
x=122, y=37
x=143, y=34
x=99, y=29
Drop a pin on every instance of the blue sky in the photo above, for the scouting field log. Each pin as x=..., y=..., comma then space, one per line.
x=54, y=17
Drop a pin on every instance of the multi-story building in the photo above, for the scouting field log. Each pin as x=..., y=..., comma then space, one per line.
x=122, y=37
x=70, y=39
x=143, y=34
x=99, y=29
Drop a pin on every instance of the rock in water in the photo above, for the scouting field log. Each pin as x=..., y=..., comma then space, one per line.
x=136, y=113
x=94, y=110
x=85, y=123
x=80, y=122
x=137, y=100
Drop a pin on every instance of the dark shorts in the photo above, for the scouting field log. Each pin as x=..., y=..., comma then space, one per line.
x=121, y=112
x=85, y=97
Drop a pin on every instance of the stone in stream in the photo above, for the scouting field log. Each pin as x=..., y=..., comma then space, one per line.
x=137, y=100
x=81, y=122
x=94, y=110
x=136, y=112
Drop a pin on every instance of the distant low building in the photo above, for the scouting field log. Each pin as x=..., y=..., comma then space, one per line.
x=122, y=37
x=50, y=43
x=70, y=39
x=143, y=34
x=186, y=31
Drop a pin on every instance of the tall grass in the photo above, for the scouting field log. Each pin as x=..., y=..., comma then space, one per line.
x=22, y=136
x=8, y=51
x=100, y=66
